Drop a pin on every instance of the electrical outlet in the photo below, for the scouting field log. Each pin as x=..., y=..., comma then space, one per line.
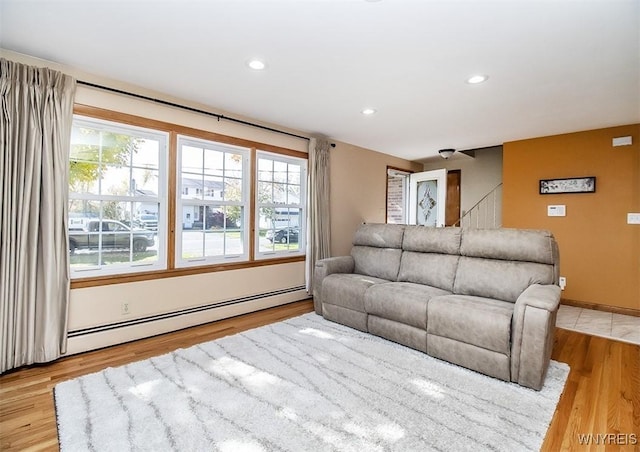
x=562, y=282
x=124, y=308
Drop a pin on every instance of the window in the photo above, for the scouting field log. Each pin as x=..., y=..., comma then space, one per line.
x=117, y=208
x=150, y=199
x=281, y=198
x=211, y=214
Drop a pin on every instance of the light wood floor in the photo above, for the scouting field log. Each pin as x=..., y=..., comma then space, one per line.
x=602, y=394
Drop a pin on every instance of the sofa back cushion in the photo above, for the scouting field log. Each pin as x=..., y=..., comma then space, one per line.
x=378, y=262
x=502, y=280
x=436, y=270
x=379, y=235
x=525, y=245
x=377, y=250
x=430, y=256
x=502, y=263
x=432, y=240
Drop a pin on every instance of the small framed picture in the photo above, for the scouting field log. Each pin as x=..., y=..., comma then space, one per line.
x=568, y=185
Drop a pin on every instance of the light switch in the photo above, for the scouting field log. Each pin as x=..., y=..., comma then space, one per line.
x=633, y=218
x=557, y=211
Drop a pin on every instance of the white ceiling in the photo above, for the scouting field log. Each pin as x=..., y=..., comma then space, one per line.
x=554, y=66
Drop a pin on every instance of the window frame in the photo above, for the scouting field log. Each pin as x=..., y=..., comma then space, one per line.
x=180, y=261
x=114, y=270
x=171, y=270
x=301, y=206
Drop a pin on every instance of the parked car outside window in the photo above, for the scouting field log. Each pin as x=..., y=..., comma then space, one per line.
x=110, y=234
x=285, y=235
x=148, y=221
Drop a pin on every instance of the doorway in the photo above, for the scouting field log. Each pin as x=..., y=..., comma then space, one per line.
x=453, y=197
x=427, y=198
x=423, y=198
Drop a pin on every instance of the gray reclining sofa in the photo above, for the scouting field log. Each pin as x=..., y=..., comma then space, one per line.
x=485, y=299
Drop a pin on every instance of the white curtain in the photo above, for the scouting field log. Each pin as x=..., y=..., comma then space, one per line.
x=35, y=124
x=318, y=219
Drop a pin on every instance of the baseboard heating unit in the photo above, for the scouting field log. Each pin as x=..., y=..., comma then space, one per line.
x=100, y=336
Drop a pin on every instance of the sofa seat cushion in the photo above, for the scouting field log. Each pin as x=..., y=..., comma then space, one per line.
x=347, y=289
x=401, y=333
x=478, y=321
x=345, y=316
x=401, y=302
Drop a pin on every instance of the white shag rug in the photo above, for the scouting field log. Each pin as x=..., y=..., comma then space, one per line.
x=304, y=384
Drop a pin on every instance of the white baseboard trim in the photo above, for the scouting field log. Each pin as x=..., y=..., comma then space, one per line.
x=108, y=335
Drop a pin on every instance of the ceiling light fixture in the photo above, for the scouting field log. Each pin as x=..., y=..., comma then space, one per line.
x=368, y=111
x=475, y=79
x=446, y=153
x=257, y=65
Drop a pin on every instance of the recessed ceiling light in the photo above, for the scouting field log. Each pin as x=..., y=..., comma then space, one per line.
x=475, y=79
x=257, y=65
x=368, y=111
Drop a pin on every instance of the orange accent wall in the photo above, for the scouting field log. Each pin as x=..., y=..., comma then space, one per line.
x=599, y=251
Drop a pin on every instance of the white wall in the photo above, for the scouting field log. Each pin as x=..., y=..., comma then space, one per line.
x=94, y=306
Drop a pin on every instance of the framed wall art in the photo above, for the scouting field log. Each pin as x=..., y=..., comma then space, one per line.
x=568, y=185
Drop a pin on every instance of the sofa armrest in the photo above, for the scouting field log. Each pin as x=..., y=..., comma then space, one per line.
x=533, y=329
x=324, y=268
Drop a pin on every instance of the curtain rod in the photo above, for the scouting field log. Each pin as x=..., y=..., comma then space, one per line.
x=195, y=110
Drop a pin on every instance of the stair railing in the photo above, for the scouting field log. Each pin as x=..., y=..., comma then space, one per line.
x=486, y=213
